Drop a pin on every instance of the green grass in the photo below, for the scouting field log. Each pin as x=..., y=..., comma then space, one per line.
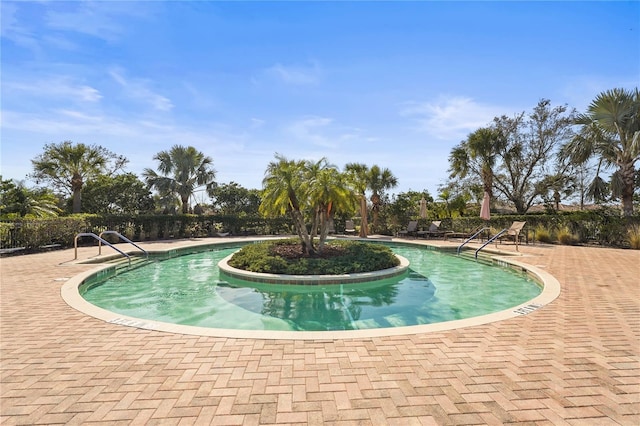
x=338, y=257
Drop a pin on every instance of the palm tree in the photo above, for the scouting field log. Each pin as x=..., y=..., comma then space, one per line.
x=446, y=196
x=357, y=174
x=611, y=132
x=477, y=156
x=312, y=171
x=328, y=192
x=183, y=171
x=379, y=180
x=284, y=192
x=67, y=167
x=17, y=199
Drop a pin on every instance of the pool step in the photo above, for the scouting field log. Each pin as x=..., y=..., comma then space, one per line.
x=482, y=257
x=122, y=265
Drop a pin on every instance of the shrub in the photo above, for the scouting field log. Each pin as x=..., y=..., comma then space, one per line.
x=339, y=257
x=543, y=235
x=634, y=237
x=565, y=237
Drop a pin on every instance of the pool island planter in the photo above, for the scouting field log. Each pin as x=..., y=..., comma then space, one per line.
x=259, y=277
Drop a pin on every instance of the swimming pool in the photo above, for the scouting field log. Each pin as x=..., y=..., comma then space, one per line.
x=188, y=290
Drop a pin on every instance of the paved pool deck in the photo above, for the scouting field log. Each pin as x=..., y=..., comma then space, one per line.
x=575, y=361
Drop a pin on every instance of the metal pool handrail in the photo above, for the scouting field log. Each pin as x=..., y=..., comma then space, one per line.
x=91, y=234
x=470, y=238
x=123, y=238
x=490, y=240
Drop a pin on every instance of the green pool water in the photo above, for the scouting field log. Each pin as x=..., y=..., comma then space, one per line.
x=188, y=290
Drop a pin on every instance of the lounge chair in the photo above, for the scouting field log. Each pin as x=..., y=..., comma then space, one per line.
x=513, y=232
x=435, y=231
x=411, y=229
x=349, y=227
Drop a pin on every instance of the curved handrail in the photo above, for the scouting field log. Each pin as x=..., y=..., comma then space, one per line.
x=490, y=240
x=470, y=238
x=123, y=238
x=100, y=240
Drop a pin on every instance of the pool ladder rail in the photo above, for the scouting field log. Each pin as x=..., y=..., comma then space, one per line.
x=489, y=241
x=105, y=242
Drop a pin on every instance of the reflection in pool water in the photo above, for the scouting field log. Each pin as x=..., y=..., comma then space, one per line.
x=334, y=307
x=188, y=290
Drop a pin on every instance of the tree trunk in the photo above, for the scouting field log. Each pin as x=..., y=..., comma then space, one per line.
x=627, y=172
x=324, y=229
x=520, y=207
x=363, y=213
x=76, y=187
x=375, y=210
x=185, y=205
x=301, y=229
x=77, y=201
x=315, y=223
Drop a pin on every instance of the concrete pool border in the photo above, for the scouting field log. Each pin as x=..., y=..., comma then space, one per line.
x=312, y=280
x=550, y=291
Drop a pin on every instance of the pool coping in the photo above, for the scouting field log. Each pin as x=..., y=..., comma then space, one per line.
x=550, y=291
x=312, y=280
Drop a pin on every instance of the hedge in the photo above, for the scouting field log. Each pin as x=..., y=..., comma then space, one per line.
x=605, y=227
x=35, y=234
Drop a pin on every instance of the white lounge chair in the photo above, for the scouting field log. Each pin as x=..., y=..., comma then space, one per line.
x=513, y=232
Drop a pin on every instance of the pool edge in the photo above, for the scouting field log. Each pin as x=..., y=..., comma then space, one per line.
x=550, y=291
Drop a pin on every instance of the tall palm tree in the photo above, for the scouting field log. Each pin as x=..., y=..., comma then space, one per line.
x=477, y=155
x=379, y=180
x=67, y=167
x=358, y=176
x=284, y=192
x=183, y=171
x=611, y=132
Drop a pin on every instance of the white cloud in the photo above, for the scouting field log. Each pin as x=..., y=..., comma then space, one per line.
x=138, y=90
x=311, y=130
x=296, y=74
x=322, y=133
x=138, y=139
x=12, y=29
x=55, y=87
x=257, y=123
x=450, y=117
x=100, y=19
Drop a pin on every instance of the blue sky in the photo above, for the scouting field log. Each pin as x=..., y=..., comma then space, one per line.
x=396, y=84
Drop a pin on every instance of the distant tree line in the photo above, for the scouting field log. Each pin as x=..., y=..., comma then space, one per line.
x=548, y=155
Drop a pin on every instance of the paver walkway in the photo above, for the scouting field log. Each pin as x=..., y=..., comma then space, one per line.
x=575, y=361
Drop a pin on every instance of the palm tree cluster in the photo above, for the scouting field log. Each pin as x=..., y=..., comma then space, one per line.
x=296, y=187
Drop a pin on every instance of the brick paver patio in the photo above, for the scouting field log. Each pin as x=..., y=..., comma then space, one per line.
x=575, y=361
